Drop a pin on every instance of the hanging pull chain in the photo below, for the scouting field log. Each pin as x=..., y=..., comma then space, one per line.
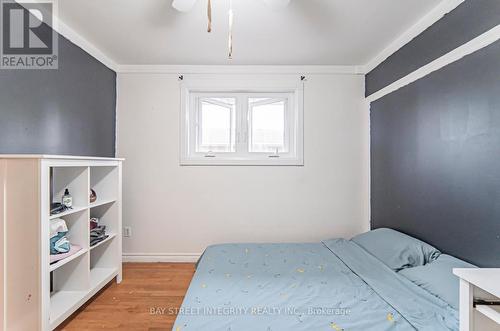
x=231, y=19
x=209, y=14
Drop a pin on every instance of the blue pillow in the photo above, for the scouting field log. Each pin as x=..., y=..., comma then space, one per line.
x=397, y=250
x=437, y=277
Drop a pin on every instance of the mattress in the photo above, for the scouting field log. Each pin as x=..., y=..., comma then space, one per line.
x=332, y=285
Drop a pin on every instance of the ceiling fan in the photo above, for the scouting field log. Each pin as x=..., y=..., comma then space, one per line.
x=187, y=5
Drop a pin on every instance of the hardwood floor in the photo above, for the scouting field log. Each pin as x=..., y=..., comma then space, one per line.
x=128, y=306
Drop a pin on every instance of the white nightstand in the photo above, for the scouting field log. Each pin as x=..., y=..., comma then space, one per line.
x=478, y=284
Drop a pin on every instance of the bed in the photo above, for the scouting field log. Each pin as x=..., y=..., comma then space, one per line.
x=338, y=284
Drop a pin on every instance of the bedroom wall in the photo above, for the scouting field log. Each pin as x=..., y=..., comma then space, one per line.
x=175, y=212
x=69, y=111
x=435, y=143
x=467, y=21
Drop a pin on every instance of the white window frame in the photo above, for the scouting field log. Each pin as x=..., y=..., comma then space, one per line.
x=195, y=126
x=289, y=130
x=193, y=91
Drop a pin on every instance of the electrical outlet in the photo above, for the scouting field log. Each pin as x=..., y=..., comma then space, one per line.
x=127, y=231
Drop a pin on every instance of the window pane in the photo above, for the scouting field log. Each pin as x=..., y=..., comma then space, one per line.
x=216, y=125
x=267, y=125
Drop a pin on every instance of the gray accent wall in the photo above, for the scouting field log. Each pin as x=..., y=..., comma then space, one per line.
x=435, y=159
x=435, y=143
x=467, y=21
x=69, y=111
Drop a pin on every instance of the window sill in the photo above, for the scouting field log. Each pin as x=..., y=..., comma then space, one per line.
x=225, y=161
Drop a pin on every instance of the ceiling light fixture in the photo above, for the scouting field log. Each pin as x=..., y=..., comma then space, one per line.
x=187, y=5
x=183, y=5
x=209, y=14
x=230, y=39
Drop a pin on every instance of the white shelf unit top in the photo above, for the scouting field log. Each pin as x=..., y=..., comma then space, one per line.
x=57, y=157
x=487, y=279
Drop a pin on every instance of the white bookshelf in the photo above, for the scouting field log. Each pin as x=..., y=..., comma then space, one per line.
x=40, y=295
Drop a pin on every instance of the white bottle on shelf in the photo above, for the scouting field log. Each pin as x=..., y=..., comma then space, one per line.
x=67, y=199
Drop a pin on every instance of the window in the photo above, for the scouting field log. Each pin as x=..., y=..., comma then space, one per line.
x=241, y=128
x=266, y=118
x=216, y=131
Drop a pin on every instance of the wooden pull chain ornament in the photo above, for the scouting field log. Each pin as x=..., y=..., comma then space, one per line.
x=209, y=14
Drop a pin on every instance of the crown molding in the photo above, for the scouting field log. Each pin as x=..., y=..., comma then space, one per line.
x=239, y=69
x=432, y=17
x=458, y=53
x=63, y=29
x=423, y=24
x=86, y=45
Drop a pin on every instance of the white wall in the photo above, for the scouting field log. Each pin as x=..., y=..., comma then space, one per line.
x=175, y=212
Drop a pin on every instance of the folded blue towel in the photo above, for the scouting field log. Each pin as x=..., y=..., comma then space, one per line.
x=59, y=243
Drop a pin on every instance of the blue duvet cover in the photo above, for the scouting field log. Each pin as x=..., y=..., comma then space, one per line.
x=334, y=285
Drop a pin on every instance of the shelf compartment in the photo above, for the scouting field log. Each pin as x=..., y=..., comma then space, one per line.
x=61, y=263
x=108, y=216
x=111, y=237
x=78, y=227
x=75, y=179
x=65, y=303
x=105, y=254
x=70, y=285
x=104, y=181
x=72, y=274
x=492, y=312
x=101, y=276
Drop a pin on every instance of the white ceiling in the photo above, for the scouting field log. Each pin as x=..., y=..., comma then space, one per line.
x=308, y=32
